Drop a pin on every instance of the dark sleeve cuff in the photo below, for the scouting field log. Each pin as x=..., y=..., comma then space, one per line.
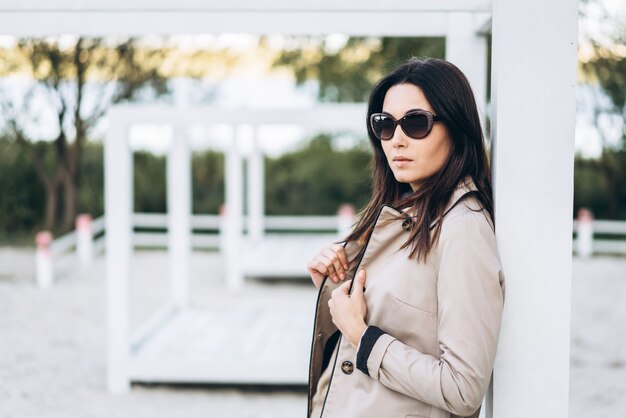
x=371, y=335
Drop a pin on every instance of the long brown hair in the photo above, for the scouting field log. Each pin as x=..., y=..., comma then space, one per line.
x=449, y=93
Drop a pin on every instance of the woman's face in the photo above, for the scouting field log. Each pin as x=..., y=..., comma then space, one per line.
x=419, y=158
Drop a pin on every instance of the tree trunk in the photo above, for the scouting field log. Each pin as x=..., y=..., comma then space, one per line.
x=69, y=202
x=611, y=172
x=51, y=206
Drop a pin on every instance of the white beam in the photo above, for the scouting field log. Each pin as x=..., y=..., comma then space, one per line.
x=256, y=189
x=179, y=215
x=534, y=79
x=234, y=6
x=330, y=116
x=140, y=22
x=234, y=211
x=118, y=194
x=467, y=49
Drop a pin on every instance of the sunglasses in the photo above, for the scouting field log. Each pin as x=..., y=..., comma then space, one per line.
x=416, y=124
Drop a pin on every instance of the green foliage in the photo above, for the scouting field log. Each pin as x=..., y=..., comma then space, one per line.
x=609, y=69
x=207, y=181
x=91, y=190
x=21, y=195
x=348, y=74
x=598, y=190
x=317, y=179
x=149, y=182
x=587, y=192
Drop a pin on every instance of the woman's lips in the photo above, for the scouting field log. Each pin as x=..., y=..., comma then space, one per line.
x=401, y=162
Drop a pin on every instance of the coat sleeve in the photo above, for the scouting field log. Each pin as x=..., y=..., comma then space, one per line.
x=470, y=287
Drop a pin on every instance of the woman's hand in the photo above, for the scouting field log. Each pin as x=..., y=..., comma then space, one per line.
x=330, y=261
x=349, y=310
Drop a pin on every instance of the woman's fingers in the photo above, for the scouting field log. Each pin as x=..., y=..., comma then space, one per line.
x=326, y=267
x=341, y=253
x=331, y=261
x=334, y=258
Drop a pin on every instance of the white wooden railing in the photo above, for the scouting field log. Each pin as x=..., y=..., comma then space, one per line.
x=212, y=240
x=56, y=257
x=586, y=243
x=78, y=247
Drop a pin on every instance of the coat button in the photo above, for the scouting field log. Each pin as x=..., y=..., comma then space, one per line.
x=347, y=367
x=406, y=224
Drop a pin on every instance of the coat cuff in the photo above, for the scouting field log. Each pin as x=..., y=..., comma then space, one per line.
x=372, y=348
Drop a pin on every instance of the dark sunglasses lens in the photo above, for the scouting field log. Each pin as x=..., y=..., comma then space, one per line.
x=415, y=126
x=382, y=126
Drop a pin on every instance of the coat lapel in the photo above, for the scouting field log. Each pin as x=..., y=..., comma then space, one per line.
x=464, y=186
x=387, y=230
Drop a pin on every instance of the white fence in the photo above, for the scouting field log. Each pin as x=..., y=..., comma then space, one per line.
x=586, y=243
x=203, y=240
x=77, y=248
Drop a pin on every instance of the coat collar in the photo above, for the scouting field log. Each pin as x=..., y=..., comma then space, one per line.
x=465, y=185
x=392, y=222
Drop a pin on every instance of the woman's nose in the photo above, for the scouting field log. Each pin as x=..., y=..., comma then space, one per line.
x=398, y=138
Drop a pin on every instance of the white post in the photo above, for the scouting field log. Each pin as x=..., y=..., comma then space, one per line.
x=43, y=260
x=118, y=190
x=534, y=111
x=345, y=219
x=179, y=216
x=84, y=239
x=234, y=211
x=256, y=190
x=223, y=233
x=467, y=49
x=584, y=233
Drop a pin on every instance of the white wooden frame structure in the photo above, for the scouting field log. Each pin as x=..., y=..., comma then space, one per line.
x=332, y=117
x=533, y=114
x=139, y=355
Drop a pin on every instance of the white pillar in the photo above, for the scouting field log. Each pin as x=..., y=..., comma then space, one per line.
x=179, y=215
x=84, y=239
x=345, y=219
x=467, y=49
x=256, y=190
x=43, y=260
x=534, y=109
x=118, y=192
x=223, y=232
x=234, y=211
x=584, y=233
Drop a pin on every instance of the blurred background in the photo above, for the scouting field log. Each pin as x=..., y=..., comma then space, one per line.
x=55, y=95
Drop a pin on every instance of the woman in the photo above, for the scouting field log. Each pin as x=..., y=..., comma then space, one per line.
x=409, y=308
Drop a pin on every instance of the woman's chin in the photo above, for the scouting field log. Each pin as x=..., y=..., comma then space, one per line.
x=404, y=179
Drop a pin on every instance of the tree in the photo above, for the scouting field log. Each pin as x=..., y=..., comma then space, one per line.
x=347, y=74
x=79, y=80
x=607, y=69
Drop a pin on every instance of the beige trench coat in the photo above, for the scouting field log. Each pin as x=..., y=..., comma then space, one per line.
x=433, y=326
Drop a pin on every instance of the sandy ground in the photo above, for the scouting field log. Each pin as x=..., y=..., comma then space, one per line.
x=53, y=347
x=598, y=338
x=52, y=344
